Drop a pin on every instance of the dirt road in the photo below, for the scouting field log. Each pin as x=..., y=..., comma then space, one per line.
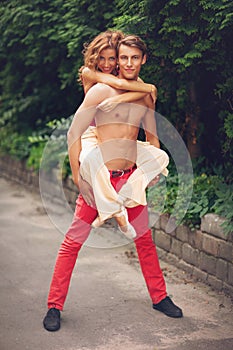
x=108, y=307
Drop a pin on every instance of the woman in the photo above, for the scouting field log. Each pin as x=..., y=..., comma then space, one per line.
x=100, y=66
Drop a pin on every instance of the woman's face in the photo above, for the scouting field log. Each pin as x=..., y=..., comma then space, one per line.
x=107, y=60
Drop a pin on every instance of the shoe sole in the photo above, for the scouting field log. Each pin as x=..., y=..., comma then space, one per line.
x=51, y=329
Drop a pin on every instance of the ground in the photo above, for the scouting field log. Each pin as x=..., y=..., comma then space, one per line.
x=108, y=307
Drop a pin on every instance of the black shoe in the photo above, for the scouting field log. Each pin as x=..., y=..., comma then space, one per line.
x=168, y=308
x=51, y=321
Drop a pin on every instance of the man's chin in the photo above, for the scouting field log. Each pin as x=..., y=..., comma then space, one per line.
x=130, y=77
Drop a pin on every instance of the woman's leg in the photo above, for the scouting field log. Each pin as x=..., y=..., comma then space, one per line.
x=94, y=171
x=151, y=161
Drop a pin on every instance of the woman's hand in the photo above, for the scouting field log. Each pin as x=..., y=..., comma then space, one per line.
x=108, y=105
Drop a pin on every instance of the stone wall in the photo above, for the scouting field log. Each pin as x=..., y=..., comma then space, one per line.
x=206, y=254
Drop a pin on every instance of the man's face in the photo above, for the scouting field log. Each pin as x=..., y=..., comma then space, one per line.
x=130, y=60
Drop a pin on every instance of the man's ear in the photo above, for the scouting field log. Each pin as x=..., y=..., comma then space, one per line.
x=144, y=59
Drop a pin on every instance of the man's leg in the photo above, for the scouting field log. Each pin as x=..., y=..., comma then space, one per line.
x=139, y=219
x=147, y=255
x=66, y=259
x=149, y=263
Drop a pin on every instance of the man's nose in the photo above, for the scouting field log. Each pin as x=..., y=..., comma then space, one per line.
x=129, y=62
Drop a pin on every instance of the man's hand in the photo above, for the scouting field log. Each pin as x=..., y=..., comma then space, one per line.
x=154, y=181
x=86, y=191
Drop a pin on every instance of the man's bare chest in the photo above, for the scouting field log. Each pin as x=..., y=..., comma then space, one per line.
x=125, y=113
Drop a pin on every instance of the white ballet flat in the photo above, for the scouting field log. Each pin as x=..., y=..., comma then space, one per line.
x=128, y=229
x=97, y=222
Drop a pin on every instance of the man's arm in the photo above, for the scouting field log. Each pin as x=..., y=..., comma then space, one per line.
x=149, y=123
x=152, y=137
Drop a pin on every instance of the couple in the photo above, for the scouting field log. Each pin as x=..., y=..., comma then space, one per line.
x=100, y=56
x=116, y=132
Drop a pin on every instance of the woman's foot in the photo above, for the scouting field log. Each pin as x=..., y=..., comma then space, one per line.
x=123, y=224
x=97, y=222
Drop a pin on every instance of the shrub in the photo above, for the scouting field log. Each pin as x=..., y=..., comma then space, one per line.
x=15, y=144
x=204, y=196
x=223, y=205
x=49, y=148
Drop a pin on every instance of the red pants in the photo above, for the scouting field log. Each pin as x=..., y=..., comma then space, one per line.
x=77, y=234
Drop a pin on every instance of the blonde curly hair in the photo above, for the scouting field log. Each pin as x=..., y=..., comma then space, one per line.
x=105, y=40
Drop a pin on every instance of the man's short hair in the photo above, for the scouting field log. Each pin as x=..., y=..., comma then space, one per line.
x=133, y=41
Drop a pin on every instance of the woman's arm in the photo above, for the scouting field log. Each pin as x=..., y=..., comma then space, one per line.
x=138, y=89
x=92, y=77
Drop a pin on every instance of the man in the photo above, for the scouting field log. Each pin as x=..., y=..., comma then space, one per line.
x=117, y=134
